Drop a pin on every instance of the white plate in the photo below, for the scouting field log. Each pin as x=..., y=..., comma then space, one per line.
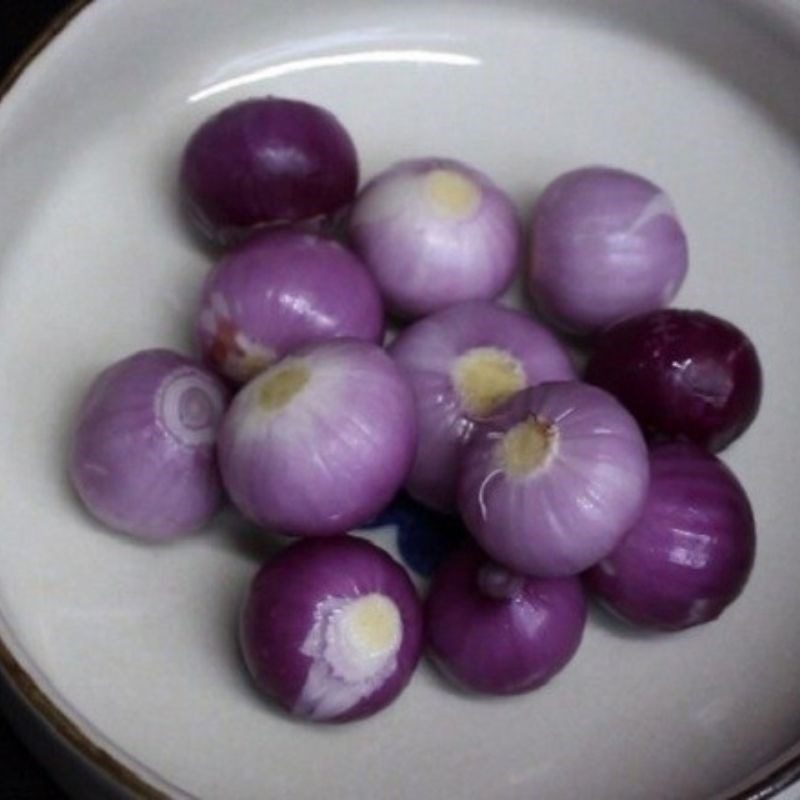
x=135, y=645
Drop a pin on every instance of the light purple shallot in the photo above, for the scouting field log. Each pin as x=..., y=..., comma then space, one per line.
x=321, y=441
x=551, y=483
x=143, y=452
x=434, y=232
x=463, y=363
x=280, y=290
x=606, y=244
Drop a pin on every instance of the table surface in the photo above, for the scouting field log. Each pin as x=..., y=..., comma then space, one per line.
x=21, y=776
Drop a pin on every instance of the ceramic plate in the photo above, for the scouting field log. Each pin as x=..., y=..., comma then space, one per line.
x=129, y=651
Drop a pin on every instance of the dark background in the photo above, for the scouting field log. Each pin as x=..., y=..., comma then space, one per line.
x=21, y=777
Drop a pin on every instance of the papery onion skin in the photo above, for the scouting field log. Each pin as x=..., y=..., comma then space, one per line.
x=280, y=290
x=683, y=374
x=510, y=639
x=435, y=231
x=690, y=553
x=143, y=449
x=562, y=516
x=427, y=352
x=288, y=659
x=606, y=244
x=336, y=449
x=267, y=160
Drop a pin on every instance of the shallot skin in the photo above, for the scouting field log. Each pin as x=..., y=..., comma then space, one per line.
x=143, y=451
x=280, y=290
x=430, y=352
x=690, y=553
x=683, y=374
x=550, y=484
x=496, y=632
x=435, y=231
x=321, y=441
x=294, y=635
x=605, y=244
x=263, y=161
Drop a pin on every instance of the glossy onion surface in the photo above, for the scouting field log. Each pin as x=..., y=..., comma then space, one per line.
x=463, y=362
x=500, y=632
x=281, y=290
x=267, y=160
x=606, y=244
x=551, y=483
x=691, y=551
x=682, y=374
x=320, y=442
x=434, y=232
x=331, y=629
x=143, y=451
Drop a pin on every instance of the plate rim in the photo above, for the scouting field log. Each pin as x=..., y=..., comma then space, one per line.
x=784, y=773
x=65, y=730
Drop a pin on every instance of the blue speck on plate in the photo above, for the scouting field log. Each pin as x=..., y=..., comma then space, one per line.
x=423, y=537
